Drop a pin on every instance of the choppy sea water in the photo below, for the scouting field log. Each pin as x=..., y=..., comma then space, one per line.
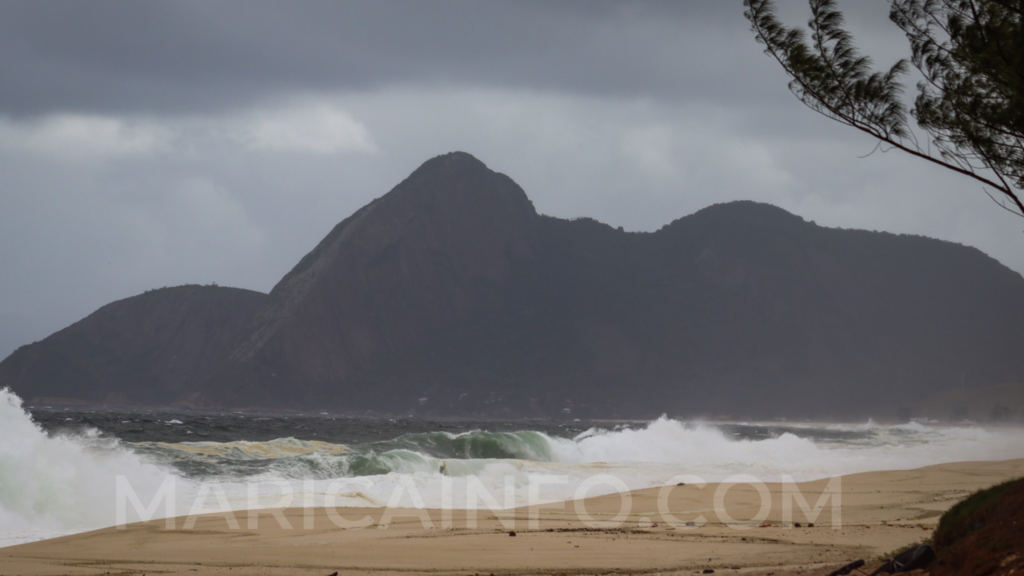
x=60, y=468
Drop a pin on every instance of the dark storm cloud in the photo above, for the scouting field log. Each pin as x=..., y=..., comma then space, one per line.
x=114, y=56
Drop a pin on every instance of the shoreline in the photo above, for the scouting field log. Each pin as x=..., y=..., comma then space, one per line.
x=878, y=512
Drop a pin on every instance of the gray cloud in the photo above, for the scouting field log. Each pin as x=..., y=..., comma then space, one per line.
x=154, y=57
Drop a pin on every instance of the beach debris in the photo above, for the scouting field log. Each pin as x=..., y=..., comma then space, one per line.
x=913, y=559
x=848, y=568
x=511, y=532
x=708, y=571
x=797, y=524
x=810, y=524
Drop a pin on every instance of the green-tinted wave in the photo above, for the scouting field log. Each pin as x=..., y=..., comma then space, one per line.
x=525, y=445
x=431, y=452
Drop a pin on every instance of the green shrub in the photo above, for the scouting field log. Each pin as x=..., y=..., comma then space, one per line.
x=961, y=519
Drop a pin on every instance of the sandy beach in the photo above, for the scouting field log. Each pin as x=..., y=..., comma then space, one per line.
x=748, y=531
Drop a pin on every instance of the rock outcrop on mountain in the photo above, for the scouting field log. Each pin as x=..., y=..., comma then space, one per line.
x=451, y=295
x=144, y=350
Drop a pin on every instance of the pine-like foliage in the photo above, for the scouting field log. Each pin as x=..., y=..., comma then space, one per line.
x=971, y=101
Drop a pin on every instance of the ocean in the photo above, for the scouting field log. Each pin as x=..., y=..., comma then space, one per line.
x=63, y=470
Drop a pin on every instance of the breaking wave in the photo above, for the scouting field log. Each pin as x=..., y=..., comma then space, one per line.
x=63, y=483
x=803, y=452
x=54, y=485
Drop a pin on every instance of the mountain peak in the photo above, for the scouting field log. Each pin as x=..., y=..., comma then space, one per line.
x=748, y=208
x=408, y=266
x=453, y=161
x=460, y=173
x=737, y=214
x=146, y=349
x=452, y=164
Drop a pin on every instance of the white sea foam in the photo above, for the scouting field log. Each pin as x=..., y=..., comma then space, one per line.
x=706, y=451
x=52, y=485
x=652, y=456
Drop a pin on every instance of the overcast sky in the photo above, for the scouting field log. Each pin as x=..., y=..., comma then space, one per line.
x=149, y=144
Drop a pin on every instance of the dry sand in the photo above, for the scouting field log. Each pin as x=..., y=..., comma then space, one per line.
x=880, y=511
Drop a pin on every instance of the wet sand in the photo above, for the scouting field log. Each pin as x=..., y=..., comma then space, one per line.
x=877, y=512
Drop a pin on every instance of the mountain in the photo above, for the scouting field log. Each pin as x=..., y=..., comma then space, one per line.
x=408, y=270
x=147, y=349
x=451, y=295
